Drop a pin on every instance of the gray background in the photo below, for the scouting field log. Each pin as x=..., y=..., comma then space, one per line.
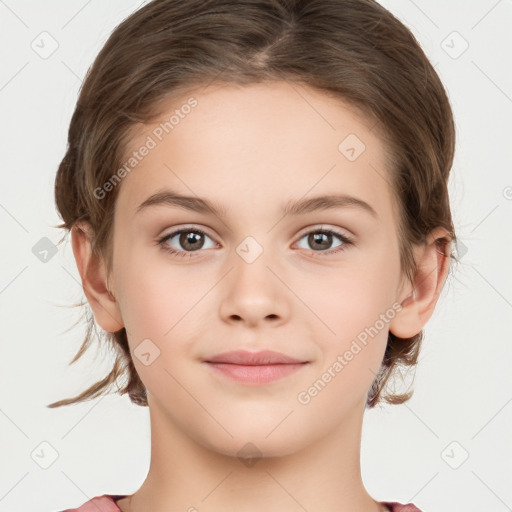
x=445, y=449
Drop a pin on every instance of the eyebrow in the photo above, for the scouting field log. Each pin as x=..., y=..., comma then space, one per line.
x=292, y=207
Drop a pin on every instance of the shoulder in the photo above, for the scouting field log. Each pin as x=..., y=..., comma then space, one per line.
x=107, y=503
x=394, y=506
x=103, y=503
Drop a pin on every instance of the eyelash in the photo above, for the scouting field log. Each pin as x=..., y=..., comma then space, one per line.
x=190, y=254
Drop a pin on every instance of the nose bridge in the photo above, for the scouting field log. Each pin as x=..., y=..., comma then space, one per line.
x=250, y=249
x=252, y=258
x=254, y=233
x=253, y=292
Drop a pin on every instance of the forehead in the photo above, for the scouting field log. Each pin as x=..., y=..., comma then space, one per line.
x=257, y=145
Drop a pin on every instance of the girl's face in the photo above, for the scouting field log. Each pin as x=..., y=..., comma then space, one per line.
x=250, y=277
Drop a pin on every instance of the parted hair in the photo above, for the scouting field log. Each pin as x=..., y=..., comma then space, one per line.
x=355, y=50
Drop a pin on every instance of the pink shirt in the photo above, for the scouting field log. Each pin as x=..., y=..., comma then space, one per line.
x=107, y=503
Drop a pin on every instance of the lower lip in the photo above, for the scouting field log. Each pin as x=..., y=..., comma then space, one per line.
x=256, y=374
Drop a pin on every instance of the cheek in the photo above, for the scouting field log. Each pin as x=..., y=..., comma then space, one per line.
x=156, y=297
x=356, y=308
x=350, y=350
x=162, y=312
x=349, y=298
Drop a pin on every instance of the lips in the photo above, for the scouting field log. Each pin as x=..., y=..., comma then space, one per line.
x=254, y=368
x=243, y=357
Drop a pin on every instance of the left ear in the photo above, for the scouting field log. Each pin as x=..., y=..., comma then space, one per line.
x=419, y=300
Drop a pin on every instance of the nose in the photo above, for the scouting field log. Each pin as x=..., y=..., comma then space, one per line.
x=253, y=294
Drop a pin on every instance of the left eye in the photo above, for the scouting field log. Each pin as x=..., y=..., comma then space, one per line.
x=322, y=238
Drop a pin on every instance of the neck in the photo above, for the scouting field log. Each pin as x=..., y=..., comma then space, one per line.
x=188, y=476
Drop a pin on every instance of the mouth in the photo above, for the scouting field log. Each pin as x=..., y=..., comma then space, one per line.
x=254, y=368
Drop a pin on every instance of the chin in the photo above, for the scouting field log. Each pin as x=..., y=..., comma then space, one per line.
x=254, y=443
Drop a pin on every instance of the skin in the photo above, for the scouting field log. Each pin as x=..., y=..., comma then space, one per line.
x=249, y=149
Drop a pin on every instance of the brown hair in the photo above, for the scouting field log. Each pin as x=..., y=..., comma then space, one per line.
x=354, y=50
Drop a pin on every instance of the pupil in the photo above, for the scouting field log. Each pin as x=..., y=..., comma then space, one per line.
x=317, y=238
x=192, y=239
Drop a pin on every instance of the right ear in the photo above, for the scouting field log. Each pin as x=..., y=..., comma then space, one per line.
x=94, y=279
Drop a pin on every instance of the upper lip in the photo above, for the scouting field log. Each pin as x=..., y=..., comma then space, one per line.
x=243, y=357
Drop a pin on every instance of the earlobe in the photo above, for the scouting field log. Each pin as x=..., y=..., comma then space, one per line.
x=421, y=297
x=91, y=268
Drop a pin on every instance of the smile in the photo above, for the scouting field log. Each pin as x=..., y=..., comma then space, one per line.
x=255, y=374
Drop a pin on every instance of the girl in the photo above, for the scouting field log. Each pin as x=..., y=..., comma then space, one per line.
x=304, y=149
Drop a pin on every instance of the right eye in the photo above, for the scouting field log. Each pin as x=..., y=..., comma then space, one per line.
x=190, y=239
